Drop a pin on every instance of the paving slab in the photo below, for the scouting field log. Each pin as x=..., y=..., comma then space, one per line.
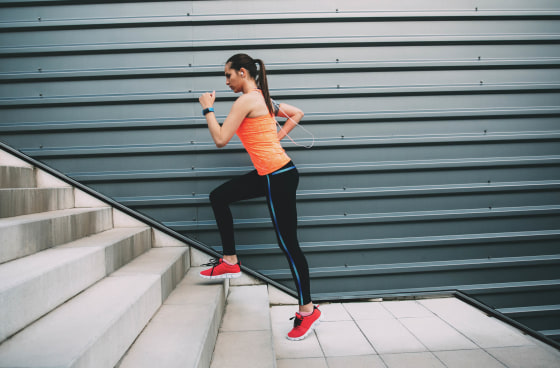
x=482, y=329
x=302, y=363
x=360, y=361
x=367, y=310
x=527, y=356
x=406, y=309
x=468, y=359
x=390, y=336
x=342, y=338
x=435, y=333
x=416, y=360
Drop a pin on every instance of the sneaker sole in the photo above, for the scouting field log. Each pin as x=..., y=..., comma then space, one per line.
x=224, y=276
x=311, y=328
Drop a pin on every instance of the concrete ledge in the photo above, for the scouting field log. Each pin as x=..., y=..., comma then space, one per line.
x=24, y=201
x=170, y=263
x=82, y=199
x=97, y=327
x=46, y=180
x=160, y=239
x=120, y=245
x=183, y=332
x=24, y=235
x=92, y=330
x=32, y=286
x=278, y=297
x=17, y=177
x=7, y=159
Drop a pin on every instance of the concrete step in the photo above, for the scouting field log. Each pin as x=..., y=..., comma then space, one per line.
x=245, y=338
x=97, y=327
x=32, y=286
x=17, y=177
x=24, y=201
x=28, y=234
x=183, y=332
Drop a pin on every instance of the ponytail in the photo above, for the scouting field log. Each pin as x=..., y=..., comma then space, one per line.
x=262, y=83
x=239, y=61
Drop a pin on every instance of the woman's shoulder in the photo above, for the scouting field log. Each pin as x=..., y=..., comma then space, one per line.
x=245, y=100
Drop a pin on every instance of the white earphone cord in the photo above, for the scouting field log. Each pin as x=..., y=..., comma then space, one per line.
x=297, y=124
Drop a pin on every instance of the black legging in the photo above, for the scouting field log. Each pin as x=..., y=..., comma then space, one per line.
x=279, y=188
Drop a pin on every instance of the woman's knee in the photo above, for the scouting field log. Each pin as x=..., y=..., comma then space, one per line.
x=215, y=198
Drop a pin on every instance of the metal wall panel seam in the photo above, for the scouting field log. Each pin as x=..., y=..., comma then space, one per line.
x=327, y=143
x=44, y=24
x=191, y=72
x=310, y=119
x=434, y=266
x=273, y=43
x=309, y=170
x=374, y=218
x=335, y=92
x=410, y=242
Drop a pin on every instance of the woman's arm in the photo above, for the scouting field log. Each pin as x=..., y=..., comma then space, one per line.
x=222, y=134
x=294, y=116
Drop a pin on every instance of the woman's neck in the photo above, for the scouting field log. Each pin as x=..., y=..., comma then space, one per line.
x=249, y=86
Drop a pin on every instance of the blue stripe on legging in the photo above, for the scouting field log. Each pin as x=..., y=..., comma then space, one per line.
x=283, y=170
x=282, y=240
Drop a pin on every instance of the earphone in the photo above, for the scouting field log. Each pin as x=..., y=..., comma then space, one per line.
x=297, y=125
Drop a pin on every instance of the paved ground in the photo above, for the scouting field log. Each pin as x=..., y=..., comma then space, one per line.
x=437, y=333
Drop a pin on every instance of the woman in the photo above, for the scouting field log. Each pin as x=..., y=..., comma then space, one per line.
x=275, y=177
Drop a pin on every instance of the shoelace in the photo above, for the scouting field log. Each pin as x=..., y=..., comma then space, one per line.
x=297, y=320
x=213, y=262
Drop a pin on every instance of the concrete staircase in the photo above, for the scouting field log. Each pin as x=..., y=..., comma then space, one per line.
x=85, y=285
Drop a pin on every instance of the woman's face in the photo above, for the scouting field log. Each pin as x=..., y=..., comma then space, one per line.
x=233, y=79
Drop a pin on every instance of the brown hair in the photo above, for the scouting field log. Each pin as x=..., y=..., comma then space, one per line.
x=239, y=61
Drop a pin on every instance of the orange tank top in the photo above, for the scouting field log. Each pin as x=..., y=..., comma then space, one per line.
x=260, y=138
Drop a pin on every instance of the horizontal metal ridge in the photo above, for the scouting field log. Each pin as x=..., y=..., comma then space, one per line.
x=331, y=143
x=310, y=118
x=278, y=43
x=334, y=92
x=277, y=68
x=424, y=290
x=193, y=19
x=553, y=334
x=316, y=169
x=533, y=309
x=346, y=193
x=512, y=287
x=433, y=266
x=408, y=242
x=371, y=218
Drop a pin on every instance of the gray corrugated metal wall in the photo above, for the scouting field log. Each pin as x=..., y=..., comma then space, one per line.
x=436, y=165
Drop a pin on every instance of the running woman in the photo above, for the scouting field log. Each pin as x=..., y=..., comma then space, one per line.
x=275, y=177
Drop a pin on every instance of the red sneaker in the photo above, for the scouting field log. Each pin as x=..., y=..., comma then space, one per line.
x=303, y=326
x=220, y=270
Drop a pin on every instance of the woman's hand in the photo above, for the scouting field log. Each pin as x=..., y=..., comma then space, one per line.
x=294, y=116
x=207, y=99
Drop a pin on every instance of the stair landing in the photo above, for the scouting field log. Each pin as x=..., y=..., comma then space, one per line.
x=444, y=332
